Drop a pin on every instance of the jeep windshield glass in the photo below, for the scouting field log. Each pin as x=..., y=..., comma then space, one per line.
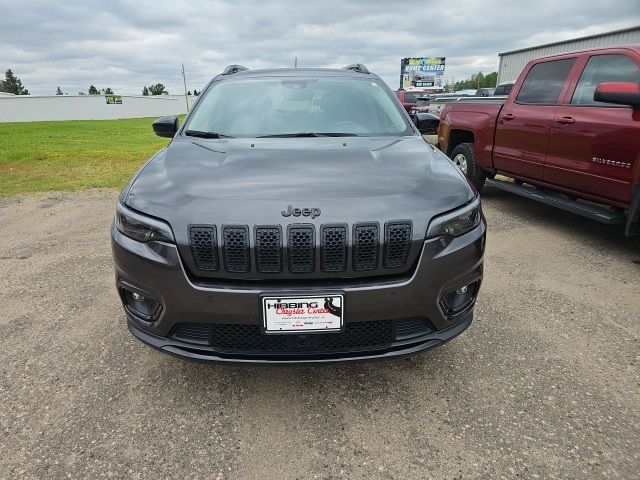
x=298, y=107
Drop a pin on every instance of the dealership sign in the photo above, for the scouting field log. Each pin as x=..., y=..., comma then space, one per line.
x=422, y=72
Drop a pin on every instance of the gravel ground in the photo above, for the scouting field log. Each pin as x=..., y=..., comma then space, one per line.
x=544, y=384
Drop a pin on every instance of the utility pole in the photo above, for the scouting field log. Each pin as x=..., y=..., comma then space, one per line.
x=184, y=81
x=295, y=63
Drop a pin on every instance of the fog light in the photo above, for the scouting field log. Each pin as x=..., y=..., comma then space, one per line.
x=459, y=300
x=140, y=306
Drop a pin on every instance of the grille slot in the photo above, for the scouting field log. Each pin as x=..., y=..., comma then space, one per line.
x=365, y=246
x=192, y=333
x=334, y=248
x=397, y=243
x=236, y=248
x=301, y=248
x=204, y=247
x=268, y=249
x=412, y=327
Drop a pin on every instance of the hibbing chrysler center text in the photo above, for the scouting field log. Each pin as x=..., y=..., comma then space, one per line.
x=297, y=216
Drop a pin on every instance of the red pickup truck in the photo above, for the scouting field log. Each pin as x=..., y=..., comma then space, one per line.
x=568, y=135
x=408, y=97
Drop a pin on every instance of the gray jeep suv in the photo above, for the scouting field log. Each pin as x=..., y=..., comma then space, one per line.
x=297, y=216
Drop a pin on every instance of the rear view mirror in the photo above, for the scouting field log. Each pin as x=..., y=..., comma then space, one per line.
x=620, y=93
x=166, y=126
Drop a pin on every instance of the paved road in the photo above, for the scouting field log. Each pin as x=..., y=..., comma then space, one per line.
x=545, y=383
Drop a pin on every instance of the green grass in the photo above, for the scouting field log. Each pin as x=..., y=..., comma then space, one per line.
x=73, y=155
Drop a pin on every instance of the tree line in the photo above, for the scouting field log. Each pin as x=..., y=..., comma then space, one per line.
x=12, y=84
x=477, y=80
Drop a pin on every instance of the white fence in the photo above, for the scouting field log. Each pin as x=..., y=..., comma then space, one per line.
x=31, y=108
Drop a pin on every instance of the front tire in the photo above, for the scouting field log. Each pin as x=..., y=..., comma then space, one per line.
x=464, y=157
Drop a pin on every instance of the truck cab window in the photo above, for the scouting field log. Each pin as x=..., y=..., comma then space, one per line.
x=604, y=68
x=544, y=82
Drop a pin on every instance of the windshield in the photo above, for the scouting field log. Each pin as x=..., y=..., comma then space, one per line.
x=288, y=106
x=421, y=102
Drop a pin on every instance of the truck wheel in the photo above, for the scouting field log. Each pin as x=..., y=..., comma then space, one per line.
x=464, y=157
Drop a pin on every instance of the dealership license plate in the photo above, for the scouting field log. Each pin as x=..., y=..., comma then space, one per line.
x=302, y=314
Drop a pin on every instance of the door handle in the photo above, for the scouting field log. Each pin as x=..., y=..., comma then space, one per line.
x=565, y=120
x=508, y=116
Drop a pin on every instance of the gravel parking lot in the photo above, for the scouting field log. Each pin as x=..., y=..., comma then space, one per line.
x=544, y=384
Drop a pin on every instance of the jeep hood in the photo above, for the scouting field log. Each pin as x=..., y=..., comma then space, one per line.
x=250, y=181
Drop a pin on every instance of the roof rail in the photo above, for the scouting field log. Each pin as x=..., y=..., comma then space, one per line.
x=231, y=69
x=356, y=67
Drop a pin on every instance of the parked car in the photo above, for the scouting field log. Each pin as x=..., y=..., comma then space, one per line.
x=485, y=92
x=309, y=222
x=570, y=127
x=503, y=89
x=408, y=98
x=421, y=105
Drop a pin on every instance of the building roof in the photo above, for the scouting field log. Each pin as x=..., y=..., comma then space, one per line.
x=588, y=37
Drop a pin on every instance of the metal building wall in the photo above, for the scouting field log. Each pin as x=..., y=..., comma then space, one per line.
x=512, y=63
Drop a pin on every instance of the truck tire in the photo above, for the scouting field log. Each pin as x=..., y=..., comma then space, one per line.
x=464, y=157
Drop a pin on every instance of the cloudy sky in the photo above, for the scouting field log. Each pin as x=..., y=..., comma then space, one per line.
x=126, y=44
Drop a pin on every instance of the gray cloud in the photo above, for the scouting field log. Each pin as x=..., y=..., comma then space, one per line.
x=126, y=46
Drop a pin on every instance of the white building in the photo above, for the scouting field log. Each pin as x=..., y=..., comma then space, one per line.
x=512, y=63
x=33, y=108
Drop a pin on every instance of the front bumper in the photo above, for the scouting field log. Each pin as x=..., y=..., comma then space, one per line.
x=156, y=271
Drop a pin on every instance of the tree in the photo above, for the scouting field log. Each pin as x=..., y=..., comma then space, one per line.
x=157, y=89
x=195, y=92
x=189, y=92
x=145, y=91
x=491, y=80
x=108, y=91
x=58, y=91
x=12, y=84
x=477, y=80
x=93, y=90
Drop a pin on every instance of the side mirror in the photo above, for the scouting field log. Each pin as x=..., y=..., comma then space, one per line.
x=620, y=93
x=166, y=126
x=426, y=123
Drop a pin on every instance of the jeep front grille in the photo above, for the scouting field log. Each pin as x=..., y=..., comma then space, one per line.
x=333, y=248
x=204, y=247
x=236, y=249
x=294, y=248
x=268, y=249
x=365, y=247
x=396, y=243
x=301, y=248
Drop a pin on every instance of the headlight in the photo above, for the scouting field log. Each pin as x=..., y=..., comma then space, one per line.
x=142, y=228
x=456, y=223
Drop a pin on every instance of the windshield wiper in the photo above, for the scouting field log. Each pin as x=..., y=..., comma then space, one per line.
x=201, y=134
x=309, y=134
